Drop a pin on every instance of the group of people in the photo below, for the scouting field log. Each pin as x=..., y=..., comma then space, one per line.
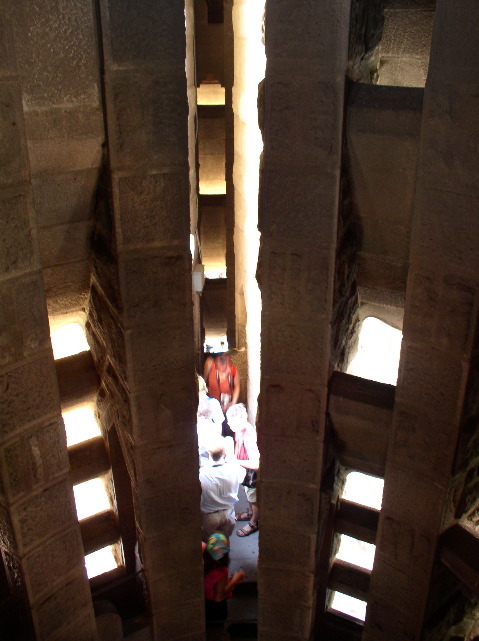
x=228, y=458
x=228, y=452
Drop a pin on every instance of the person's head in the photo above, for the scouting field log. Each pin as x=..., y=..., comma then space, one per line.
x=217, y=449
x=204, y=409
x=221, y=362
x=216, y=552
x=237, y=416
x=202, y=389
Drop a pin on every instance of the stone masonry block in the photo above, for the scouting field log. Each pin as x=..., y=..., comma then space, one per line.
x=180, y=504
x=418, y=388
x=67, y=280
x=24, y=326
x=149, y=116
x=410, y=498
x=65, y=72
x=290, y=459
x=296, y=347
x=64, y=243
x=442, y=216
x=145, y=34
x=299, y=504
x=35, y=458
x=402, y=546
x=185, y=621
x=407, y=33
x=17, y=250
x=81, y=627
x=295, y=280
x=306, y=33
x=68, y=155
x=304, y=123
x=156, y=474
x=62, y=198
x=53, y=562
x=42, y=515
x=154, y=354
x=61, y=606
x=292, y=409
x=285, y=614
x=157, y=287
x=300, y=585
x=7, y=47
x=387, y=620
x=60, y=124
x=28, y=393
x=108, y=330
x=13, y=167
x=154, y=209
x=162, y=553
x=451, y=141
x=179, y=586
x=416, y=446
x=163, y=415
x=283, y=193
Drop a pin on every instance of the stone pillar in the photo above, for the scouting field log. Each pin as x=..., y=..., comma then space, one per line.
x=306, y=52
x=40, y=542
x=439, y=326
x=153, y=368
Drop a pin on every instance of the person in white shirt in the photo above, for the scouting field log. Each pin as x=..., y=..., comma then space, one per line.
x=220, y=480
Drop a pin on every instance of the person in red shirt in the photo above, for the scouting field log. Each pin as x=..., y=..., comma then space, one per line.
x=223, y=382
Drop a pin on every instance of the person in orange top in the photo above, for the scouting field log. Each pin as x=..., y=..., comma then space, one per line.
x=223, y=382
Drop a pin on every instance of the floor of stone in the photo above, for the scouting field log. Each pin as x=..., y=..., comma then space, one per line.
x=243, y=606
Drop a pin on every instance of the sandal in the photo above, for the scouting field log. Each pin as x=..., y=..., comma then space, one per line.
x=245, y=532
x=244, y=516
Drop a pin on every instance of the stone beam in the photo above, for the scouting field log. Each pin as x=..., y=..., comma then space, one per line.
x=147, y=325
x=440, y=323
x=361, y=413
x=302, y=117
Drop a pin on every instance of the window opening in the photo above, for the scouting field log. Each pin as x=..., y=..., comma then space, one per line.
x=377, y=357
x=345, y=604
x=210, y=93
x=91, y=498
x=101, y=561
x=68, y=340
x=80, y=424
x=363, y=489
x=356, y=552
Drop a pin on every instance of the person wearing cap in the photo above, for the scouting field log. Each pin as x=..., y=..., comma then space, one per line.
x=218, y=585
x=220, y=480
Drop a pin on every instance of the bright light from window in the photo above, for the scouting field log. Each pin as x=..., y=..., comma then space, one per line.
x=378, y=352
x=100, y=562
x=356, y=552
x=210, y=93
x=80, y=425
x=348, y=605
x=363, y=489
x=90, y=498
x=68, y=340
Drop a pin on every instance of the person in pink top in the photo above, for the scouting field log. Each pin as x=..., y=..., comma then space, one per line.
x=218, y=585
x=247, y=455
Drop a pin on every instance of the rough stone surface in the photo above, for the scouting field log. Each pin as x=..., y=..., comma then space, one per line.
x=42, y=515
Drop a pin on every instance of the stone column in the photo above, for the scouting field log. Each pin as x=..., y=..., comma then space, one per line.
x=439, y=326
x=40, y=542
x=147, y=121
x=306, y=52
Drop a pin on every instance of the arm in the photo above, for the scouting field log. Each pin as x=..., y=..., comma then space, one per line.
x=206, y=369
x=224, y=586
x=236, y=388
